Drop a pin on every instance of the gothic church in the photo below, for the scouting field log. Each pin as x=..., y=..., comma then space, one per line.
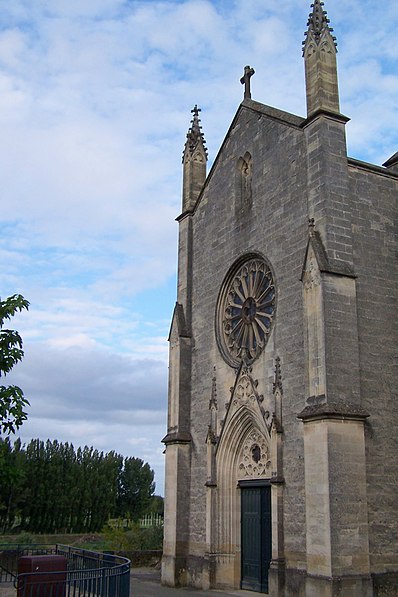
x=281, y=448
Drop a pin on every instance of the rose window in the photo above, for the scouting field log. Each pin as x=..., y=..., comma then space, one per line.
x=246, y=309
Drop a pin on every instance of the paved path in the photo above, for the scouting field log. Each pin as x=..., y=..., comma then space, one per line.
x=145, y=582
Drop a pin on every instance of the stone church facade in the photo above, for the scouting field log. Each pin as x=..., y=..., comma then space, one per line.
x=281, y=449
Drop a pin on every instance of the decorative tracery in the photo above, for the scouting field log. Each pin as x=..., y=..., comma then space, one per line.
x=246, y=311
x=255, y=458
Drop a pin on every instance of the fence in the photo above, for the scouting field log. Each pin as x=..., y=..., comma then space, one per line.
x=151, y=520
x=87, y=574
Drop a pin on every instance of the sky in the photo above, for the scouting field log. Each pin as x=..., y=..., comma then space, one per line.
x=95, y=101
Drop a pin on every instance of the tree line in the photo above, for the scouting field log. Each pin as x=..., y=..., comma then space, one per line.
x=49, y=487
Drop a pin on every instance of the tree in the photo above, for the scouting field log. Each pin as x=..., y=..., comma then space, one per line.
x=12, y=400
x=12, y=486
x=156, y=505
x=136, y=487
x=48, y=487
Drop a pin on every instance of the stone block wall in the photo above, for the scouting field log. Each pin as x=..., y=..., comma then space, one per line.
x=276, y=227
x=374, y=214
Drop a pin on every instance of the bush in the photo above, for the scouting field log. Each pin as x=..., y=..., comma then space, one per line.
x=134, y=539
x=25, y=539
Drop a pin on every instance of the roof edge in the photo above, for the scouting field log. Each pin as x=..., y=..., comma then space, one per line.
x=367, y=166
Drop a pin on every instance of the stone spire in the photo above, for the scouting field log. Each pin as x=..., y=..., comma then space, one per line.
x=318, y=23
x=319, y=51
x=194, y=162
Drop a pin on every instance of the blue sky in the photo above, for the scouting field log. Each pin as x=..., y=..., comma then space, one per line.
x=95, y=100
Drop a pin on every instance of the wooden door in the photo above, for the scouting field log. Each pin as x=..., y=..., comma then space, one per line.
x=255, y=537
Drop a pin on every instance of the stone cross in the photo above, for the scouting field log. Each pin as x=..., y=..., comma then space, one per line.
x=245, y=80
x=195, y=111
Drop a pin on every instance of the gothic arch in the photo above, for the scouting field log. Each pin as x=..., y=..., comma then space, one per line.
x=199, y=157
x=245, y=424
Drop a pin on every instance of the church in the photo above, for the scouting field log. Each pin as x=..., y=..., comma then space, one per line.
x=282, y=443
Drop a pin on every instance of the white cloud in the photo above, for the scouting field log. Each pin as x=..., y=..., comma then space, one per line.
x=89, y=396
x=95, y=100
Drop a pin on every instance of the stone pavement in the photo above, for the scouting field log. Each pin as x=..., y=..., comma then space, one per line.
x=145, y=582
x=7, y=589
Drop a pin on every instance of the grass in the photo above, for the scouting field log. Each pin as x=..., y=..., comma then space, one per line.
x=117, y=540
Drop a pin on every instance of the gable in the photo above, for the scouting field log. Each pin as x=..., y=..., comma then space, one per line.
x=256, y=120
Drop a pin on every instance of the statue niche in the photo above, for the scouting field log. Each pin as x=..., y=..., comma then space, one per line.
x=243, y=200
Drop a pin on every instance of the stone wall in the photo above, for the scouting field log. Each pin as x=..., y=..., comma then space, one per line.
x=275, y=225
x=273, y=172
x=374, y=210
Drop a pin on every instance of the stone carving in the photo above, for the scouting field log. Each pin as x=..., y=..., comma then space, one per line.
x=195, y=139
x=244, y=197
x=245, y=80
x=244, y=394
x=277, y=390
x=277, y=383
x=312, y=276
x=318, y=27
x=246, y=309
x=246, y=180
x=212, y=428
x=255, y=458
x=326, y=47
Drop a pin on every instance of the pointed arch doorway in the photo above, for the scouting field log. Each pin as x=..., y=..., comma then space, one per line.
x=242, y=511
x=256, y=534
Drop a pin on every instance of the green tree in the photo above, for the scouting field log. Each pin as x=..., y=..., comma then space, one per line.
x=136, y=487
x=66, y=490
x=156, y=505
x=12, y=400
x=12, y=482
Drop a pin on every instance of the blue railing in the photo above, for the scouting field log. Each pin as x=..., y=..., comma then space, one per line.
x=85, y=573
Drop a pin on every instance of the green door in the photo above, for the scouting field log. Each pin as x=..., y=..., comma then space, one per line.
x=256, y=537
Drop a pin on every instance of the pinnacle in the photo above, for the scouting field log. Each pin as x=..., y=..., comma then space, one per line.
x=195, y=135
x=318, y=22
x=195, y=121
x=213, y=399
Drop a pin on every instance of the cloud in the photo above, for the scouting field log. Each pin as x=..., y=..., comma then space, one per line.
x=85, y=379
x=95, y=102
x=89, y=396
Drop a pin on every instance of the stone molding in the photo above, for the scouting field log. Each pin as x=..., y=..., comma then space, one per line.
x=177, y=437
x=332, y=410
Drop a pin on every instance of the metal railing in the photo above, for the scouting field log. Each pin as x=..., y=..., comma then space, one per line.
x=10, y=554
x=87, y=573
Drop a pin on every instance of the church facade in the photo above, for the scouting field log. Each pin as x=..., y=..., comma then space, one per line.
x=281, y=448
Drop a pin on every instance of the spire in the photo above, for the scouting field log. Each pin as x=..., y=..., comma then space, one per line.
x=318, y=24
x=319, y=51
x=195, y=137
x=194, y=162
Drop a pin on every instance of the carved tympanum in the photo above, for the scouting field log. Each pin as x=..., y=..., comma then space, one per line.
x=255, y=459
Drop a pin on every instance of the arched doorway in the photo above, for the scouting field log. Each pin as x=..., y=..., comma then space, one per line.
x=243, y=462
